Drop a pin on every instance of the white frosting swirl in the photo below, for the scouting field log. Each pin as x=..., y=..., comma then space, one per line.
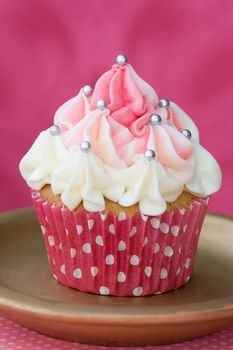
x=83, y=178
x=207, y=175
x=147, y=183
x=45, y=155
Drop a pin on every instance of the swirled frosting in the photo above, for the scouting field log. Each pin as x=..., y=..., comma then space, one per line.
x=119, y=133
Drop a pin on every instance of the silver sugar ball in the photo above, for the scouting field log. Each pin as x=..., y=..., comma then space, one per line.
x=85, y=146
x=54, y=130
x=164, y=103
x=101, y=104
x=187, y=133
x=155, y=119
x=149, y=154
x=121, y=60
x=87, y=90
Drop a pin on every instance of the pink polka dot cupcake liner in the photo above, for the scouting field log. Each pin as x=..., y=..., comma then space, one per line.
x=120, y=255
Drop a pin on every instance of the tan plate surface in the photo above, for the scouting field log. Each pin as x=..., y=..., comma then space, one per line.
x=30, y=296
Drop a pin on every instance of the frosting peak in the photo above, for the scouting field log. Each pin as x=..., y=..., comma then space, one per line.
x=128, y=97
x=129, y=121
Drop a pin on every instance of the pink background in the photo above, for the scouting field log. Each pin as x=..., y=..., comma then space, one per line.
x=50, y=49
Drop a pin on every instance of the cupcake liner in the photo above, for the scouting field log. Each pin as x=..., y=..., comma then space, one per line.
x=120, y=255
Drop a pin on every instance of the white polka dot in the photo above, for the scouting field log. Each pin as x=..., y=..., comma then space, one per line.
x=187, y=263
x=51, y=241
x=155, y=223
x=35, y=194
x=121, y=277
x=157, y=293
x=163, y=273
x=180, y=250
x=164, y=227
x=63, y=269
x=175, y=230
x=121, y=245
x=156, y=248
x=90, y=223
x=94, y=270
x=99, y=240
x=146, y=240
x=185, y=228
x=148, y=271
x=178, y=271
x=188, y=279
x=137, y=291
x=144, y=217
x=104, y=290
x=43, y=229
x=67, y=232
x=79, y=229
x=103, y=216
x=77, y=273
x=54, y=276
x=133, y=231
x=60, y=246
x=112, y=229
x=182, y=211
x=121, y=216
x=168, y=251
x=134, y=260
x=72, y=252
x=86, y=248
x=109, y=259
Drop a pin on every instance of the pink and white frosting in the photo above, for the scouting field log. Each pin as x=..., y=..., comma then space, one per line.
x=115, y=167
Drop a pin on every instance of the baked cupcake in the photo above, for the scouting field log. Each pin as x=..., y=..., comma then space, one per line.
x=121, y=187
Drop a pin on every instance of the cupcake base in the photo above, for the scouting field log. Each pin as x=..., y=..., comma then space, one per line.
x=119, y=254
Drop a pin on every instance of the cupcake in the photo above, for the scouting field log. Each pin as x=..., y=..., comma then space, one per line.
x=121, y=186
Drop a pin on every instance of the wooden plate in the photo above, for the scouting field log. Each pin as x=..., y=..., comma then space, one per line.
x=30, y=296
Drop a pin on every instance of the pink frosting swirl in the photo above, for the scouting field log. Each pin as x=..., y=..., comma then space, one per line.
x=130, y=100
x=71, y=112
x=123, y=130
